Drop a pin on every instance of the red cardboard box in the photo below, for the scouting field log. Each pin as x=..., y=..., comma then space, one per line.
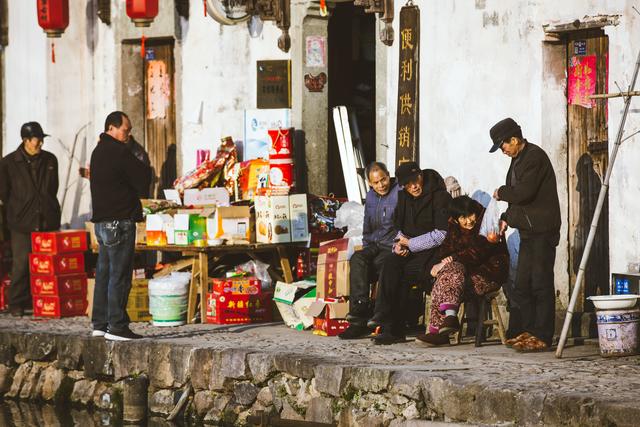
x=332, y=274
x=225, y=309
x=67, y=284
x=237, y=286
x=329, y=317
x=65, y=306
x=58, y=242
x=48, y=264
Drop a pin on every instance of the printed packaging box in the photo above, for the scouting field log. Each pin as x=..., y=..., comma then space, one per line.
x=49, y=265
x=224, y=309
x=329, y=317
x=237, y=286
x=67, y=284
x=232, y=222
x=272, y=219
x=293, y=301
x=58, y=242
x=332, y=274
x=59, y=306
x=299, y=216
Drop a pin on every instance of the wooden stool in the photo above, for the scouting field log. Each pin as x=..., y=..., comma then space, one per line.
x=494, y=320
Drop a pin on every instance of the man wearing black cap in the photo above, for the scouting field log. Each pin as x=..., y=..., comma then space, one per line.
x=534, y=210
x=28, y=190
x=421, y=217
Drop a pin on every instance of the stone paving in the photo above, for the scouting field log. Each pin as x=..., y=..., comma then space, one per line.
x=582, y=381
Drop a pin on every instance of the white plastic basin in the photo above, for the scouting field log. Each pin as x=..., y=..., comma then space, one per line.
x=614, y=302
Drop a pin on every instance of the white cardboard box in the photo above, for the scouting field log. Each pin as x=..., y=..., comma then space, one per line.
x=232, y=222
x=181, y=229
x=298, y=214
x=272, y=219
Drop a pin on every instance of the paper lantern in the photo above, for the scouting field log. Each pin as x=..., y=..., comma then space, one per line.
x=142, y=12
x=53, y=16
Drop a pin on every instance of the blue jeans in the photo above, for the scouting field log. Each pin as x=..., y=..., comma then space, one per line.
x=114, y=270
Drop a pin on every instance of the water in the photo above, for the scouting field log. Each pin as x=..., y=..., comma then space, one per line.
x=24, y=414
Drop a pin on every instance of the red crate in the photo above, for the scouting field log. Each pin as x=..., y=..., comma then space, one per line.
x=65, y=306
x=66, y=284
x=49, y=264
x=237, y=286
x=225, y=309
x=58, y=242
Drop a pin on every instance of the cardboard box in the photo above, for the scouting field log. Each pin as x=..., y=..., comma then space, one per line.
x=237, y=286
x=299, y=216
x=157, y=227
x=329, y=317
x=58, y=242
x=233, y=223
x=332, y=274
x=49, y=265
x=67, y=284
x=181, y=229
x=91, y=284
x=59, y=306
x=189, y=228
x=224, y=309
x=272, y=219
x=138, y=302
x=293, y=301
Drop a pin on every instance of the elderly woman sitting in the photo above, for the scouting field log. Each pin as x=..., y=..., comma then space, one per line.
x=469, y=264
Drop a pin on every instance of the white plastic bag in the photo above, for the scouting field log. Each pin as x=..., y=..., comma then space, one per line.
x=350, y=215
x=490, y=226
x=258, y=269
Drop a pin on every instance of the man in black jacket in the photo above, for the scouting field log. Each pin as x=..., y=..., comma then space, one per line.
x=28, y=190
x=421, y=217
x=117, y=178
x=534, y=210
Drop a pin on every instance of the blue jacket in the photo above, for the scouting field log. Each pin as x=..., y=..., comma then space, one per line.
x=378, y=225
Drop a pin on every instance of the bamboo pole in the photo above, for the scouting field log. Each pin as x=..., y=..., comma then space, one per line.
x=614, y=95
x=596, y=214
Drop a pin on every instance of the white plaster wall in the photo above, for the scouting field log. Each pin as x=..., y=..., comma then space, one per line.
x=218, y=79
x=482, y=61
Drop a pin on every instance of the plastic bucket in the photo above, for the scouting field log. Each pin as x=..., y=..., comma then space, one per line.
x=168, y=298
x=618, y=332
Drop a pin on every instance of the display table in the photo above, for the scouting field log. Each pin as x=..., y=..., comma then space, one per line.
x=200, y=266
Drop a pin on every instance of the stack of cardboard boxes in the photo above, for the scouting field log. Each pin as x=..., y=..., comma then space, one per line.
x=58, y=278
x=238, y=300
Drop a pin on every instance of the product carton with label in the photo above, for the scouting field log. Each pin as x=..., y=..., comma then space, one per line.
x=293, y=301
x=224, y=309
x=272, y=219
x=49, y=265
x=66, y=284
x=329, y=317
x=332, y=275
x=232, y=223
x=299, y=216
x=157, y=227
x=57, y=242
x=59, y=306
x=237, y=286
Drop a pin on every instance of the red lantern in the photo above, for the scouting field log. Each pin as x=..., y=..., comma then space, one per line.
x=53, y=16
x=142, y=12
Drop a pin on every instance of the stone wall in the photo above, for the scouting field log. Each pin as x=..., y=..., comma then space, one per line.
x=228, y=385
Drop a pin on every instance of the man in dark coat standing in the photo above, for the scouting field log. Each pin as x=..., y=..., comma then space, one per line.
x=421, y=217
x=117, y=179
x=28, y=190
x=532, y=194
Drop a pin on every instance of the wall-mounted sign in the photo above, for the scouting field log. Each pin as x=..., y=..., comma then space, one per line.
x=315, y=51
x=582, y=81
x=580, y=47
x=274, y=84
x=407, y=130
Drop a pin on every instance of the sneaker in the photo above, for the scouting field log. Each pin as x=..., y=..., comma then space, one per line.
x=124, y=335
x=354, y=332
x=98, y=332
x=433, y=340
x=387, y=338
x=450, y=324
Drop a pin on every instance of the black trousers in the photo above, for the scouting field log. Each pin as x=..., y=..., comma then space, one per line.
x=396, y=278
x=534, y=292
x=364, y=267
x=20, y=289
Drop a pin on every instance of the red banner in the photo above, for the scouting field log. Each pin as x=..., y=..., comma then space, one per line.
x=582, y=81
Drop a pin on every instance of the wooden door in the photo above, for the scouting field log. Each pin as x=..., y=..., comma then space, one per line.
x=588, y=157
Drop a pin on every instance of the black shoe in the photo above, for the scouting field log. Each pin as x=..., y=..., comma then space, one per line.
x=433, y=340
x=387, y=338
x=124, y=335
x=354, y=332
x=450, y=325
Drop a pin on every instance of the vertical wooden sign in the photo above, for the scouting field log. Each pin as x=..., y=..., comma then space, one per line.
x=407, y=131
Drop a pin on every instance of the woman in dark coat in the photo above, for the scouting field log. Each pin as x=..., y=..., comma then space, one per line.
x=469, y=263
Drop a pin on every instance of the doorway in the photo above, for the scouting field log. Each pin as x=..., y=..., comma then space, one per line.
x=352, y=82
x=148, y=98
x=588, y=158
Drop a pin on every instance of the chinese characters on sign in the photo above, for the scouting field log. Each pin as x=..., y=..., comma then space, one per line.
x=407, y=124
x=274, y=84
x=582, y=81
x=158, y=90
